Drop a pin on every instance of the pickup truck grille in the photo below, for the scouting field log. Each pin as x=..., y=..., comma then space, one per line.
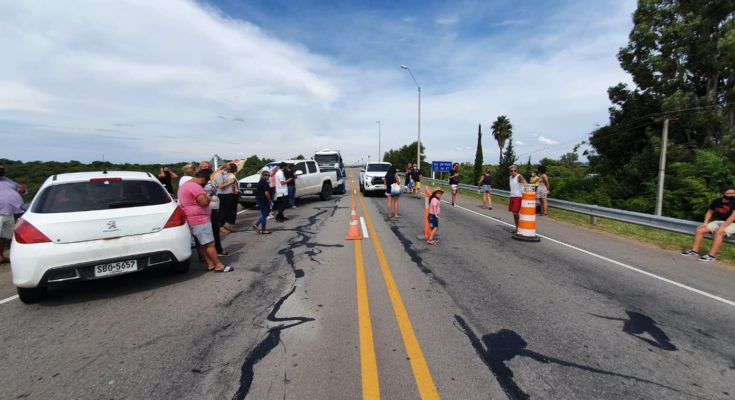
x=248, y=186
x=377, y=181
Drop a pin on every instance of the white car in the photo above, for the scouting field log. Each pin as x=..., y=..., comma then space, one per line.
x=90, y=225
x=372, y=177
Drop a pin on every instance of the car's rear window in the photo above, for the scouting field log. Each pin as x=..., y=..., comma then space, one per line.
x=378, y=167
x=89, y=196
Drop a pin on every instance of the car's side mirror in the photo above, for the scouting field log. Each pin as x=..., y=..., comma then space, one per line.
x=362, y=170
x=299, y=172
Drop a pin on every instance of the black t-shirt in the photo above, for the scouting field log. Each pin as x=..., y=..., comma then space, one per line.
x=263, y=186
x=416, y=175
x=167, y=182
x=487, y=179
x=721, y=210
x=288, y=175
x=453, y=180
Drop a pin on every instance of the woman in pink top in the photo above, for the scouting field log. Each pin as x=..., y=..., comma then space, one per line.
x=195, y=203
x=434, y=210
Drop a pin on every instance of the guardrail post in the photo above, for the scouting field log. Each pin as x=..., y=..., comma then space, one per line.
x=593, y=220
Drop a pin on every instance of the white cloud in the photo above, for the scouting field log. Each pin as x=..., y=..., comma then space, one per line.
x=547, y=141
x=518, y=143
x=172, y=80
x=447, y=20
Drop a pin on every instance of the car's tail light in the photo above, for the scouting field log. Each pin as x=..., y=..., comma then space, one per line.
x=26, y=233
x=178, y=218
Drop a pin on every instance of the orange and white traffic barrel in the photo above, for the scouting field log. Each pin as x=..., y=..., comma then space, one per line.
x=527, y=217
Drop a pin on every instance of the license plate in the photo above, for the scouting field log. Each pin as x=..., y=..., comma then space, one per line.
x=247, y=192
x=115, y=268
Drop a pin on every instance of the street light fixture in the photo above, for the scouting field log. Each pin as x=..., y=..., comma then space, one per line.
x=380, y=155
x=418, y=141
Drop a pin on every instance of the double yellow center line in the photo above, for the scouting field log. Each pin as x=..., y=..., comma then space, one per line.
x=370, y=383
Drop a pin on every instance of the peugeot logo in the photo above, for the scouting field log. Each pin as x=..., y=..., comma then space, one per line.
x=111, y=226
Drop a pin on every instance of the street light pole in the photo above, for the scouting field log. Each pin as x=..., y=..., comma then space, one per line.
x=380, y=155
x=418, y=141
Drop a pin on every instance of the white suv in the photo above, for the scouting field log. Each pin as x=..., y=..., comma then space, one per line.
x=91, y=225
x=372, y=177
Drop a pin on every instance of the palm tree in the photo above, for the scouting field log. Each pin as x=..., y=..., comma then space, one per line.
x=502, y=130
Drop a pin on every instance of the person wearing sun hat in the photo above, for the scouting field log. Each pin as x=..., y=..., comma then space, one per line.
x=434, y=211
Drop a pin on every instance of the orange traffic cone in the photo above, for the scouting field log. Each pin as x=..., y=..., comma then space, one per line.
x=353, y=233
x=527, y=221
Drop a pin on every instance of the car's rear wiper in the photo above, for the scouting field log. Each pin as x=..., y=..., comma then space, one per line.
x=128, y=203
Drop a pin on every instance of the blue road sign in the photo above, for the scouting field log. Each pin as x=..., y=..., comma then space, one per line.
x=441, y=166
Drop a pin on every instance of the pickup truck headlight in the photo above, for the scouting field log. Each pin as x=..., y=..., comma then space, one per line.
x=367, y=179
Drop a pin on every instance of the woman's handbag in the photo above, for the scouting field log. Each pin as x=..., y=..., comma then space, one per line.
x=395, y=189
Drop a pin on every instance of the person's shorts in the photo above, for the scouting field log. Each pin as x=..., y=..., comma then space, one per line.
x=7, y=226
x=485, y=189
x=455, y=187
x=203, y=233
x=433, y=221
x=715, y=225
x=417, y=185
x=514, y=205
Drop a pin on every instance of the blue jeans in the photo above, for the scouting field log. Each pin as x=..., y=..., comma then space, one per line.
x=265, y=208
x=292, y=196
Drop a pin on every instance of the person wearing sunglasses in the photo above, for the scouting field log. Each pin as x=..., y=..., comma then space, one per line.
x=516, y=194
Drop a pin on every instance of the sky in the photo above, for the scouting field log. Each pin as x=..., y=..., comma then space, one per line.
x=163, y=81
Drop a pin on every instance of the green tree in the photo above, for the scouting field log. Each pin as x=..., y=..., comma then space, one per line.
x=509, y=158
x=404, y=155
x=681, y=57
x=478, y=156
x=502, y=131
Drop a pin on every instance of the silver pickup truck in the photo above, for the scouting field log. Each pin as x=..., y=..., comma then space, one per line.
x=310, y=180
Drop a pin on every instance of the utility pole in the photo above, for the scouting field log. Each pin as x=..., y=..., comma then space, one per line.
x=662, y=168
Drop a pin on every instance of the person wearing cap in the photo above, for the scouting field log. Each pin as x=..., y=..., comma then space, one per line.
x=516, y=194
x=434, y=211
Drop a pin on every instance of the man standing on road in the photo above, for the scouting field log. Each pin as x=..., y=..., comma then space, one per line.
x=10, y=205
x=290, y=175
x=454, y=182
x=263, y=198
x=516, y=194
x=719, y=221
x=195, y=203
x=416, y=176
x=281, y=192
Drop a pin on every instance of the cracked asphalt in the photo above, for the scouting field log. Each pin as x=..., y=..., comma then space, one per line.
x=494, y=318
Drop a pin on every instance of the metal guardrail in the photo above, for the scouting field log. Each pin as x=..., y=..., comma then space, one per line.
x=648, y=220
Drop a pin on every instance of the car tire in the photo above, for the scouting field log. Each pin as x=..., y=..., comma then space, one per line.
x=32, y=295
x=326, y=193
x=181, y=267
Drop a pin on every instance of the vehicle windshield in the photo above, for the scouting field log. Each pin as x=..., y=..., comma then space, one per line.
x=90, y=196
x=329, y=159
x=378, y=167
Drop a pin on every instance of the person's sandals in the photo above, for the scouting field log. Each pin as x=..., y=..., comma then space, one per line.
x=223, y=231
x=226, y=268
x=223, y=254
x=432, y=242
x=265, y=232
x=256, y=229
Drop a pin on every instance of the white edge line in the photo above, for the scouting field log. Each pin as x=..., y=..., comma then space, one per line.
x=364, y=228
x=9, y=299
x=681, y=285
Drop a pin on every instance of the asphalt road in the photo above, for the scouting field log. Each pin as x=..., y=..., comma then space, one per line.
x=310, y=315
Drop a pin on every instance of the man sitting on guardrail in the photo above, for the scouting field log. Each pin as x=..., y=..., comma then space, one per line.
x=718, y=220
